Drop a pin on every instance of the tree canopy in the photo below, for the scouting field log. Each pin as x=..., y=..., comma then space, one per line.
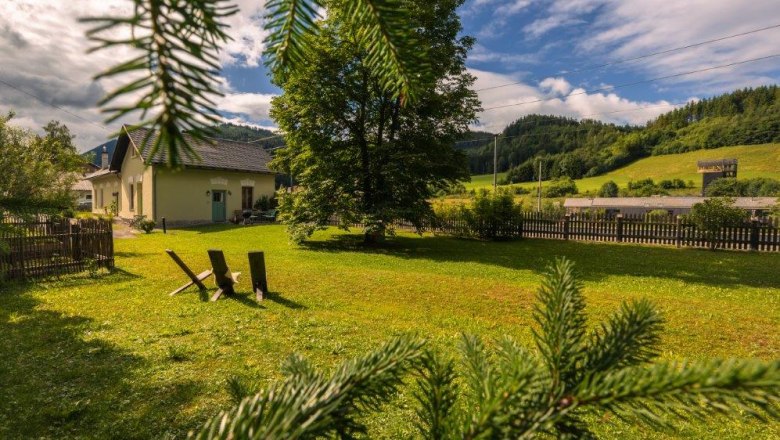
x=44, y=167
x=356, y=151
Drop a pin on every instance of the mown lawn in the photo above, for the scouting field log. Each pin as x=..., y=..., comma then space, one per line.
x=117, y=357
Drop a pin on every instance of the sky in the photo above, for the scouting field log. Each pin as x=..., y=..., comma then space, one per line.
x=549, y=50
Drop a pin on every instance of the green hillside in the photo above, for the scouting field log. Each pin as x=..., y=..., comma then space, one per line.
x=587, y=148
x=754, y=161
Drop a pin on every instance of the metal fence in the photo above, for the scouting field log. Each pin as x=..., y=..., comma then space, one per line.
x=53, y=246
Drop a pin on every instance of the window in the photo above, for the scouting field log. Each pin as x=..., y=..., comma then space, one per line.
x=246, y=197
x=216, y=196
x=89, y=196
x=132, y=197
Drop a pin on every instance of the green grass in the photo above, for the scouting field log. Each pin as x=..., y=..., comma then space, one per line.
x=117, y=357
x=754, y=161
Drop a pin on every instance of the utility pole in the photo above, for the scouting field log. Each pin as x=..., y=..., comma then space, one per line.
x=539, y=191
x=495, y=163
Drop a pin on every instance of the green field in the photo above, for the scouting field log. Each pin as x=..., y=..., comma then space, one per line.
x=754, y=161
x=117, y=357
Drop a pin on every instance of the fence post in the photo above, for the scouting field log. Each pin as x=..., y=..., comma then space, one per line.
x=619, y=227
x=75, y=239
x=566, y=227
x=754, y=235
x=677, y=231
x=165, y=228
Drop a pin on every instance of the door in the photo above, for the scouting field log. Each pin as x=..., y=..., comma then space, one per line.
x=218, y=206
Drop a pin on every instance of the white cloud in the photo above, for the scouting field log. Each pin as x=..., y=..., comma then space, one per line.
x=255, y=106
x=623, y=29
x=556, y=85
x=523, y=99
x=44, y=54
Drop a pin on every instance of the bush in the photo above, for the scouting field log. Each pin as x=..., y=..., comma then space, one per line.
x=731, y=187
x=560, y=188
x=712, y=215
x=519, y=190
x=489, y=216
x=263, y=203
x=147, y=225
x=609, y=189
x=521, y=173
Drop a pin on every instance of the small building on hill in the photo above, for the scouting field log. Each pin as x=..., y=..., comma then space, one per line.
x=230, y=176
x=757, y=206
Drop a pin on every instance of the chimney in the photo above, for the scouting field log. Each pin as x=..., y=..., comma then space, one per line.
x=104, y=159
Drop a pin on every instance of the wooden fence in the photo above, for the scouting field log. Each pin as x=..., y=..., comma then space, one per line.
x=46, y=246
x=757, y=235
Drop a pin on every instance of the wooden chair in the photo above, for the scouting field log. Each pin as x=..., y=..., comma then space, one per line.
x=224, y=278
x=257, y=270
x=196, y=280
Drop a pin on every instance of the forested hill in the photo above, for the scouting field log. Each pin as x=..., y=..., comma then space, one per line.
x=577, y=149
x=244, y=133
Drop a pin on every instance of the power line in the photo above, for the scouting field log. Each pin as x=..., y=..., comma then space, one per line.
x=646, y=81
x=42, y=101
x=640, y=57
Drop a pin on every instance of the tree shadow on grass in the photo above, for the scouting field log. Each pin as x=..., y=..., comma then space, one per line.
x=58, y=379
x=595, y=261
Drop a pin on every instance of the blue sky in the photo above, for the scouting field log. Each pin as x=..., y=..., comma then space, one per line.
x=536, y=43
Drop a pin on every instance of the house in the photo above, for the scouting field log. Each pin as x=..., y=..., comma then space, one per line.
x=82, y=192
x=672, y=205
x=229, y=177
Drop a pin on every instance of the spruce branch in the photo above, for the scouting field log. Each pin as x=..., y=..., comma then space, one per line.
x=687, y=390
x=560, y=314
x=311, y=404
x=629, y=337
x=174, y=77
x=436, y=396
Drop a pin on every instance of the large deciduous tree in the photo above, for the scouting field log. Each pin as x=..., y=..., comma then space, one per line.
x=38, y=170
x=356, y=151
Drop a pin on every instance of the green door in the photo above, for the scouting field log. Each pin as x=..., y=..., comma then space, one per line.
x=218, y=206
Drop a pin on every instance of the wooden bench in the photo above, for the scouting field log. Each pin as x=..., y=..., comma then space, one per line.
x=196, y=280
x=223, y=277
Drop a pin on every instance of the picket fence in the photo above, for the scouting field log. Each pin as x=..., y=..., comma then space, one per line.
x=53, y=246
x=756, y=235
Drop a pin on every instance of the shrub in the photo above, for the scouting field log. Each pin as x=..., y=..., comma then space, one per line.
x=712, y=215
x=519, y=190
x=147, y=225
x=560, y=188
x=263, y=203
x=489, y=216
x=731, y=187
x=504, y=390
x=609, y=189
x=521, y=173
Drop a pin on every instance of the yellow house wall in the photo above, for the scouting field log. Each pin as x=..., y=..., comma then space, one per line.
x=181, y=195
x=108, y=185
x=134, y=172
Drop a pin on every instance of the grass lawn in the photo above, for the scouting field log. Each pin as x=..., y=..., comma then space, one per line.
x=754, y=161
x=117, y=357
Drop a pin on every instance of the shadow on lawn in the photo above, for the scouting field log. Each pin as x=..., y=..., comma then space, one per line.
x=59, y=379
x=594, y=261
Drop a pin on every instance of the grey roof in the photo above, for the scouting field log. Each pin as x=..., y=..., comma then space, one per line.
x=99, y=173
x=216, y=154
x=82, y=185
x=663, y=202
